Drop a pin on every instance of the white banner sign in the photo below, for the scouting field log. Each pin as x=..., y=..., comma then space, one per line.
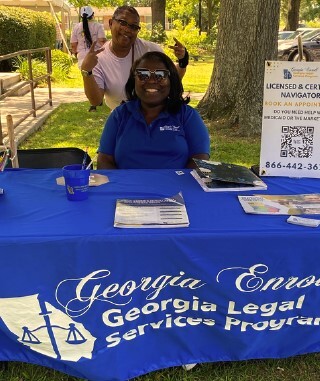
x=290, y=141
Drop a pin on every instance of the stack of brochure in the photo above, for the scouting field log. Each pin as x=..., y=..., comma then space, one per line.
x=168, y=212
x=216, y=177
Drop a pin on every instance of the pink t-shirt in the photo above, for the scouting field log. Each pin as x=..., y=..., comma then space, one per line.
x=111, y=72
x=96, y=31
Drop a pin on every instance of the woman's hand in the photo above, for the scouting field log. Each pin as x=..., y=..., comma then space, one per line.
x=200, y=156
x=91, y=59
x=105, y=161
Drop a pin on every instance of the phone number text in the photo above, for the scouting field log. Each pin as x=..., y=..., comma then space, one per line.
x=308, y=166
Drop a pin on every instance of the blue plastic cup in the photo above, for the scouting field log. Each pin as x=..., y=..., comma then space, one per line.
x=76, y=182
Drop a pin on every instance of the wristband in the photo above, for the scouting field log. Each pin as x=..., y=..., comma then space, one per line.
x=183, y=62
x=86, y=73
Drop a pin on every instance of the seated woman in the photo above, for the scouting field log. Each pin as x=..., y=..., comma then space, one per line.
x=155, y=128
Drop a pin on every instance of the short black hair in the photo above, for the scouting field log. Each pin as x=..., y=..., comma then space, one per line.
x=124, y=8
x=175, y=99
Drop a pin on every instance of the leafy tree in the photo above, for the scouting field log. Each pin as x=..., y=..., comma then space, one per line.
x=212, y=11
x=142, y=3
x=183, y=10
x=109, y=3
x=189, y=36
x=247, y=36
x=293, y=15
x=174, y=9
x=209, y=15
x=158, y=8
x=93, y=3
x=309, y=10
x=158, y=33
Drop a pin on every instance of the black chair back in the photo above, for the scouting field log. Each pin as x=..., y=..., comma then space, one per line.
x=42, y=158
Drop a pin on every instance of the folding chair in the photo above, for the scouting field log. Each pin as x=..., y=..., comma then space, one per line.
x=42, y=158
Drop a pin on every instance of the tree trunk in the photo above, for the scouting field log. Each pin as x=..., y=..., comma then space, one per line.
x=158, y=8
x=293, y=15
x=200, y=17
x=247, y=36
x=210, y=15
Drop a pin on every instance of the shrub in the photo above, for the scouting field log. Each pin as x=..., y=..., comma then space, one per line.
x=61, y=60
x=158, y=34
x=38, y=67
x=22, y=29
x=61, y=65
x=313, y=24
x=144, y=33
x=189, y=36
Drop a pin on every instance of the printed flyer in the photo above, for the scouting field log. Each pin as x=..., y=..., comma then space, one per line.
x=168, y=212
x=290, y=140
x=281, y=204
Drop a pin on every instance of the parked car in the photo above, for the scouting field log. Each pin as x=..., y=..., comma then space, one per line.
x=284, y=34
x=301, y=32
x=288, y=49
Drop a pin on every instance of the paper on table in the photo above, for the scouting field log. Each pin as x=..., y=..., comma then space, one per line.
x=169, y=212
x=281, y=204
x=94, y=181
x=221, y=177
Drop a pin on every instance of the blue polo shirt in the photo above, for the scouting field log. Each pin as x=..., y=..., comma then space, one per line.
x=168, y=142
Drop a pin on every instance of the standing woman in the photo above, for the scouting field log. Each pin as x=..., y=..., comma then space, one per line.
x=84, y=34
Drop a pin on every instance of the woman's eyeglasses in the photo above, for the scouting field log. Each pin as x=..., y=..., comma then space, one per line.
x=158, y=75
x=133, y=27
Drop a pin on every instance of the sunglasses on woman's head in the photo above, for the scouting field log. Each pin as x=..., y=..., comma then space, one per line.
x=158, y=75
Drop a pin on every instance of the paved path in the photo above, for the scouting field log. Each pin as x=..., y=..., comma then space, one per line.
x=19, y=106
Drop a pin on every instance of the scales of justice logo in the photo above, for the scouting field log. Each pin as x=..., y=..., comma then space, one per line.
x=45, y=329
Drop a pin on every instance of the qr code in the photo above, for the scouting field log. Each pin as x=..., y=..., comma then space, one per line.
x=297, y=141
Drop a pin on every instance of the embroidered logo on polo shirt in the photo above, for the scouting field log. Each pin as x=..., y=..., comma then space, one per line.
x=169, y=128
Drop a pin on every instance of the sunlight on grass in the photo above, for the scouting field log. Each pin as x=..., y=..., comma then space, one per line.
x=74, y=79
x=197, y=76
x=71, y=125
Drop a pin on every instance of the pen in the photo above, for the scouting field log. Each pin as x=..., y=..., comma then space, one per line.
x=84, y=159
x=4, y=160
x=89, y=165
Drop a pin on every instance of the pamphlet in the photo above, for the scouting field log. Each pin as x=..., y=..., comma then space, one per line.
x=216, y=177
x=281, y=204
x=303, y=221
x=169, y=212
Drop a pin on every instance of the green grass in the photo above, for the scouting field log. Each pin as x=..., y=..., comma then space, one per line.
x=73, y=80
x=299, y=368
x=198, y=76
x=72, y=125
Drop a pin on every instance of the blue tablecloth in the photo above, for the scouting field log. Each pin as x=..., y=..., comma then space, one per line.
x=103, y=303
